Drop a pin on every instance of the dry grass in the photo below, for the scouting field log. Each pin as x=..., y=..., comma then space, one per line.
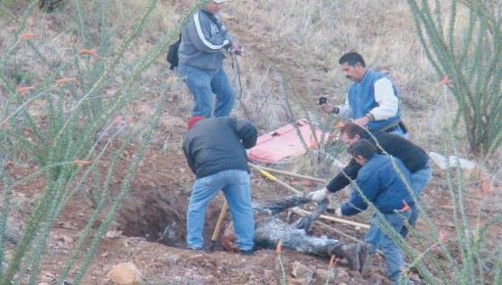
x=292, y=48
x=305, y=40
x=288, y=43
x=291, y=53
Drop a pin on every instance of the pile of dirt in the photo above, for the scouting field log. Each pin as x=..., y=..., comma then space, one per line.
x=161, y=264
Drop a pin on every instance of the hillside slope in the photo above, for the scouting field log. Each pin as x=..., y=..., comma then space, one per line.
x=131, y=102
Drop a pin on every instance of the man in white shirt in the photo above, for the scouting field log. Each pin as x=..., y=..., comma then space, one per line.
x=372, y=100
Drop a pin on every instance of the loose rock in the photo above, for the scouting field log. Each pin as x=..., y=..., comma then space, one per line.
x=125, y=274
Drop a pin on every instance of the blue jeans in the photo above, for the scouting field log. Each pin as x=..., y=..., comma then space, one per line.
x=202, y=84
x=419, y=181
x=377, y=239
x=399, y=132
x=236, y=188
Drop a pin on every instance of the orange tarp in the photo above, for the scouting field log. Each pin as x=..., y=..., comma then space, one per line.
x=285, y=142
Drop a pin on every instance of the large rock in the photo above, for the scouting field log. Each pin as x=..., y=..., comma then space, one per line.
x=443, y=163
x=125, y=274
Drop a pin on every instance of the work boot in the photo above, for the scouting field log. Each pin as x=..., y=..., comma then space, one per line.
x=364, y=258
x=351, y=252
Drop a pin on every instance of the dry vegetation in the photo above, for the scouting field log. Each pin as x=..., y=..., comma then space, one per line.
x=118, y=84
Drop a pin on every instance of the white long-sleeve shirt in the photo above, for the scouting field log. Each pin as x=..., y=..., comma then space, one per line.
x=388, y=104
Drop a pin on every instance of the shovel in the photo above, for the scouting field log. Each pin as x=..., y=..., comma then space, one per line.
x=217, y=228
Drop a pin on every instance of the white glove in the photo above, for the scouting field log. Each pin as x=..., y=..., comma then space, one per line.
x=319, y=195
x=338, y=212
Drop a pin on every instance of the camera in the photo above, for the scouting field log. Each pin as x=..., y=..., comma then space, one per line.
x=323, y=100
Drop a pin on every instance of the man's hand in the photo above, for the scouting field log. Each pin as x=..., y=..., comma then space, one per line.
x=319, y=195
x=327, y=108
x=339, y=125
x=236, y=48
x=363, y=121
x=323, y=100
x=338, y=212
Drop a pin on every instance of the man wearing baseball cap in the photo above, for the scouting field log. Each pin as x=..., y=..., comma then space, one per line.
x=204, y=42
x=215, y=150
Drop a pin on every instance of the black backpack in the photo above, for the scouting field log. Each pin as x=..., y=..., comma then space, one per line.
x=172, y=54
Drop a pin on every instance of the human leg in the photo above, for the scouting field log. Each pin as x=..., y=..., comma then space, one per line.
x=374, y=235
x=237, y=193
x=419, y=181
x=412, y=221
x=282, y=205
x=399, y=132
x=373, y=240
x=199, y=85
x=271, y=230
x=392, y=254
x=224, y=94
x=203, y=192
x=354, y=253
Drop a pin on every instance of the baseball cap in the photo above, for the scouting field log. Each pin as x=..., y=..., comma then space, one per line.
x=194, y=120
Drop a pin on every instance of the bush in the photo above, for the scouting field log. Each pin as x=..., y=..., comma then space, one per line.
x=472, y=62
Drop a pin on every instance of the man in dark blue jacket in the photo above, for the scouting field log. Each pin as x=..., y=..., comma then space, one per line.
x=215, y=151
x=381, y=182
x=414, y=158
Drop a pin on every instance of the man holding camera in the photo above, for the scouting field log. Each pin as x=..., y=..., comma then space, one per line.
x=372, y=100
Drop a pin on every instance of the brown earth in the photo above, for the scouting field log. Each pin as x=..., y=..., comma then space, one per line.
x=150, y=227
x=158, y=201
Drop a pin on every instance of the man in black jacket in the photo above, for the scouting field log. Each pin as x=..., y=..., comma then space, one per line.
x=414, y=158
x=215, y=151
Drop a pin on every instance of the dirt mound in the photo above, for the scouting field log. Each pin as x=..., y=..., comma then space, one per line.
x=161, y=264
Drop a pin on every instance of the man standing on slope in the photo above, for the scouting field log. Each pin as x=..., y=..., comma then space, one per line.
x=204, y=40
x=215, y=150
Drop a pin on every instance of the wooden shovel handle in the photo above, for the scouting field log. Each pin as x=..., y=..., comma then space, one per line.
x=219, y=223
